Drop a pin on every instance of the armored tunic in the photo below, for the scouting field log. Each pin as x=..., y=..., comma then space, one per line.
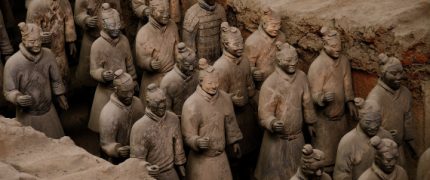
x=158, y=140
x=285, y=98
x=355, y=154
x=107, y=54
x=260, y=49
x=375, y=173
x=178, y=88
x=396, y=112
x=116, y=120
x=201, y=30
x=60, y=23
x=39, y=77
x=154, y=41
x=85, y=9
x=204, y=115
x=329, y=75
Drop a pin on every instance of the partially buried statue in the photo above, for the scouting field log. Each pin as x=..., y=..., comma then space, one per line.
x=156, y=137
x=201, y=29
x=31, y=77
x=88, y=17
x=355, y=154
x=181, y=81
x=118, y=116
x=312, y=166
x=260, y=46
x=285, y=104
x=209, y=125
x=385, y=165
x=155, y=45
x=395, y=101
x=109, y=53
x=55, y=17
x=331, y=88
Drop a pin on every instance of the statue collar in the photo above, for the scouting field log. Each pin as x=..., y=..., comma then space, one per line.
x=157, y=25
x=27, y=54
x=285, y=76
x=331, y=61
x=230, y=57
x=396, y=93
x=153, y=116
x=382, y=175
x=206, y=6
x=182, y=75
x=111, y=41
x=265, y=35
x=118, y=103
x=205, y=95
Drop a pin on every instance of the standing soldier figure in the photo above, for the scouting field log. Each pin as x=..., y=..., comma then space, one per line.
x=142, y=10
x=118, y=116
x=55, y=17
x=260, y=46
x=109, y=53
x=155, y=45
x=181, y=81
x=395, y=101
x=331, y=89
x=285, y=104
x=31, y=76
x=201, y=30
x=87, y=16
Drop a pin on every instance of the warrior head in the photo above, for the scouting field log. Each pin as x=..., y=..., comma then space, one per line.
x=286, y=57
x=332, y=42
x=31, y=37
x=185, y=59
x=370, y=116
x=387, y=153
x=312, y=161
x=160, y=11
x=111, y=20
x=156, y=100
x=231, y=39
x=271, y=22
x=208, y=78
x=124, y=86
x=391, y=71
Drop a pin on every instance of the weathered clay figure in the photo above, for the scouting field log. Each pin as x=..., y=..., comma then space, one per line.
x=201, y=29
x=181, y=81
x=355, y=154
x=55, y=17
x=285, y=104
x=423, y=169
x=31, y=76
x=260, y=46
x=385, y=164
x=6, y=51
x=156, y=137
x=141, y=9
x=118, y=116
x=311, y=167
x=109, y=53
x=155, y=45
x=209, y=125
x=395, y=101
x=331, y=88
x=88, y=17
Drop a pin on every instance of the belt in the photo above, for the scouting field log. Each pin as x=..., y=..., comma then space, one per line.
x=212, y=152
x=291, y=137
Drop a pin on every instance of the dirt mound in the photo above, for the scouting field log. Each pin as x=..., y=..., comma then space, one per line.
x=29, y=154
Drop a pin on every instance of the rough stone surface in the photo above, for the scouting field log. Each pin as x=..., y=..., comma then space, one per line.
x=29, y=154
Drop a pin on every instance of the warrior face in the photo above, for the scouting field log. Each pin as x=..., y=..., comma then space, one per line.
x=112, y=27
x=234, y=46
x=386, y=161
x=186, y=66
x=333, y=47
x=393, y=76
x=272, y=27
x=125, y=94
x=157, y=106
x=210, y=84
x=161, y=12
x=370, y=124
x=288, y=64
x=33, y=45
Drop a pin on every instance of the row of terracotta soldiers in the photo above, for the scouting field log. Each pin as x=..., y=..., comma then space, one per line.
x=218, y=107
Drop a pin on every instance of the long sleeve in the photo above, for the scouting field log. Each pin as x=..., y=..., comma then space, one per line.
x=139, y=7
x=144, y=52
x=316, y=82
x=409, y=122
x=81, y=13
x=250, y=85
x=10, y=86
x=5, y=46
x=108, y=133
x=57, y=84
x=252, y=54
x=189, y=32
x=180, y=158
x=347, y=81
x=190, y=126
x=310, y=116
x=232, y=131
x=96, y=63
x=343, y=166
x=267, y=104
x=139, y=144
x=70, y=33
x=129, y=61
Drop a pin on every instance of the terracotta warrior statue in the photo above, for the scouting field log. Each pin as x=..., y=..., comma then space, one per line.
x=181, y=81
x=142, y=10
x=156, y=137
x=385, y=164
x=88, y=17
x=201, y=29
x=260, y=46
x=311, y=167
x=331, y=88
x=118, y=116
x=209, y=125
x=31, y=77
x=395, y=101
x=423, y=169
x=6, y=51
x=355, y=154
x=285, y=105
x=155, y=45
x=109, y=53
x=55, y=17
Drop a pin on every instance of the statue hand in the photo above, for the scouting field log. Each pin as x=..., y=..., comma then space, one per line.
x=108, y=75
x=72, y=49
x=353, y=110
x=238, y=100
x=153, y=170
x=182, y=171
x=257, y=75
x=24, y=100
x=236, y=150
x=91, y=21
x=278, y=126
x=328, y=97
x=203, y=142
x=155, y=64
x=62, y=101
x=124, y=151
